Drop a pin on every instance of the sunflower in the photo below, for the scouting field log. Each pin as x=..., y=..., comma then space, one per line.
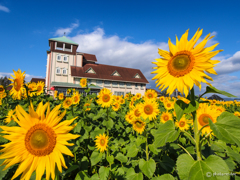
x=67, y=103
x=138, y=125
x=184, y=65
x=0, y=101
x=76, y=98
x=131, y=104
x=55, y=94
x=138, y=95
x=219, y=108
x=149, y=109
x=101, y=142
x=183, y=124
x=10, y=116
x=204, y=114
x=2, y=90
x=17, y=84
x=129, y=117
x=87, y=106
x=83, y=82
x=69, y=91
x=236, y=113
x=31, y=87
x=117, y=98
x=122, y=101
x=105, y=98
x=166, y=116
x=184, y=100
x=3, y=95
x=136, y=111
x=61, y=96
x=162, y=98
x=116, y=106
x=168, y=105
x=150, y=94
x=39, y=142
x=40, y=87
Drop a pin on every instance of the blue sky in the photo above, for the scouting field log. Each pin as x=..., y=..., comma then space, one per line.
x=121, y=33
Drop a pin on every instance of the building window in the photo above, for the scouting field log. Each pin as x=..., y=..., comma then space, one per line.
x=136, y=86
x=142, y=86
x=58, y=57
x=114, y=84
x=89, y=81
x=58, y=71
x=64, y=71
x=118, y=93
x=122, y=84
x=107, y=83
x=99, y=82
x=59, y=46
x=68, y=47
x=65, y=58
x=129, y=85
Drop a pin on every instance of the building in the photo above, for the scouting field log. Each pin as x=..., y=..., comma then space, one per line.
x=65, y=67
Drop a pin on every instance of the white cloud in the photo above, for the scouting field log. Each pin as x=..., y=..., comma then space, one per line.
x=28, y=77
x=229, y=65
x=61, y=31
x=4, y=8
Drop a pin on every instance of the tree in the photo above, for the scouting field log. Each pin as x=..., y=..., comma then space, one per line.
x=5, y=81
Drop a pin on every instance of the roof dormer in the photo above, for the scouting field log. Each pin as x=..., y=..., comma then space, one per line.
x=137, y=76
x=115, y=73
x=63, y=44
x=90, y=70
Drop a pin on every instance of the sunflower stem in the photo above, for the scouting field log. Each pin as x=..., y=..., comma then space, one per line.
x=27, y=94
x=203, y=128
x=205, y=137
x=189, y=135
x=146, y=135
x=185, y=151
x=196, y=135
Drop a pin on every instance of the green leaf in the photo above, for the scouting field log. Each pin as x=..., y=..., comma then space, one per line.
x=131, y=175
x=95, y=157
x=209, y=169
x=3, y=173
x=96, y=132
x=179, y=107
x=71, y=168
x=147, y=167
x=78, y=127
x=211, y=89
x=234, y=155
x=231, y=164
x=95, y=177
x=132, y=151
x=153, y=149
x=110, y=159
x=167, y=163
x=103, y=172
x=108, y=124
x=227, y=128
x=82, y=176
x=184, y=163
x=164, y=177
x=121, y=157
x=165, y=133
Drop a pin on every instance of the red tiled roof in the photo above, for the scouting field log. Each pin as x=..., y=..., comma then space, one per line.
x=105, y=72
x=89, y=57
x=37, y=79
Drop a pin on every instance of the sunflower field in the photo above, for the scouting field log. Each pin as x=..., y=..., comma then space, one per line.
x=135, y=137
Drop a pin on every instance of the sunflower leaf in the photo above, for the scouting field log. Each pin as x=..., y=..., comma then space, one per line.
x=227, y=128
x=103, y=172
x=165, y=133
x=211, y=89
x=147, y=167
x=121, y=157
x=131, y=175
x=95, y=157
x=164, y=177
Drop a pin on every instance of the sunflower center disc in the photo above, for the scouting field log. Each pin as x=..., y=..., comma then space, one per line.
x=168, y=105
x=165, y=118
x=1, y=89
x=106, y=98
x=182, y=124
x=150, y=95
x=39, y=88
x=40, y=140
x=148, y=109
x=204, y=119
x=102, y=142
x=16, y=85
x=138, y=124
x=137, y=113
x=181, y=64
